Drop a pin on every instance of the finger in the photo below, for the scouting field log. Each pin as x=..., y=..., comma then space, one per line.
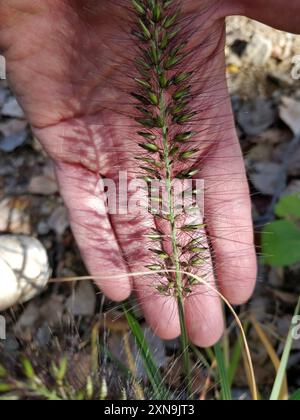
x=203, y=311
x=228, y=216
x=92, y=229
x=204, y=317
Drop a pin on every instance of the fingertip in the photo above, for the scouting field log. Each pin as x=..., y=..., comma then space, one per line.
x=239, y=279
x=204, y=319
x=114, y=288
x=165, y=332
x=240, y=295
x=209, y=340
x=161, y=313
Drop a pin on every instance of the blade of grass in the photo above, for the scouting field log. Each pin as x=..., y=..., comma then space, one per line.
x=225, y=386
x=295, y=396
x=225, y=341
x=152, y=371
x=210, y=354
x=95, y=345
x=132, y=366
x=272, y=355
x=235, y=360
x=284, y=362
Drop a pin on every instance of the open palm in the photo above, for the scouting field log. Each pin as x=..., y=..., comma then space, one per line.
x=67, y=64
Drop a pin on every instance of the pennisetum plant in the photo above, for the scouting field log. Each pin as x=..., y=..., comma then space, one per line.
x=165, y=114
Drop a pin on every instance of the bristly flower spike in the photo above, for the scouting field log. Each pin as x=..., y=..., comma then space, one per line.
x=164, y=94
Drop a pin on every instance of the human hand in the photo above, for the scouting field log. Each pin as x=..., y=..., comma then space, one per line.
x=63, y=60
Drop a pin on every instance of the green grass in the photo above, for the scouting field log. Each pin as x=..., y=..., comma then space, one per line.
x=154, y=376
x=223, y=374
x=284, y=361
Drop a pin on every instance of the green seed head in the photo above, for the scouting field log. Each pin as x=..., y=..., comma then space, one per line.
x=191, y=228
x=138, y=7
x=170, y=20
x=154, y=267
x=145, y=30
x=187, y=174
x=140, y=98
x=168, y=3
x=153, y=98
x=156, y=14
x=184, y=136
x=161, y=254
x=188, y=154
x=196, y=261
x=150, y=161
x=163, y=81
x=181, y=93
x=171, y=62
x=163, y=289
x=154, y=237
x=146, y=135
x=184, y=118
x=143, y=83
x=150, y=147
x=174, y=151
x=180, y=78
x=148, y=123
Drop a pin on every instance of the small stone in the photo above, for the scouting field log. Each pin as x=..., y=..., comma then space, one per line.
x=12, y=109
x=59, y=221
x=292, y=188
x=43, y=228
x=261, y=152
x=294, y=164
x=272, y=136
x=259, y=50
x=52, y=310
x=42, y=185
x=12, y=126
x=83, y=300
x=14, y=215
x=256, y=116
x=28, y=318
x=12, y=142
x=265, y=176
x=11, y=346
x=43, y=335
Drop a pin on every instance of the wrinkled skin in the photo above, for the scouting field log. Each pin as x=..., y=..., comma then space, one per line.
x=60, y=56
